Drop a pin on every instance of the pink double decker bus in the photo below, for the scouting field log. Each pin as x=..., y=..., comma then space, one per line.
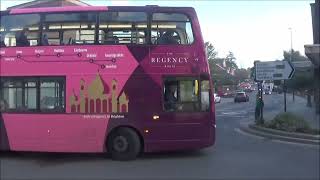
x=122, y=80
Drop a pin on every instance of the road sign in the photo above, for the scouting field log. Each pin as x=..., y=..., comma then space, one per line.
x=273, y=70
x=302, y=64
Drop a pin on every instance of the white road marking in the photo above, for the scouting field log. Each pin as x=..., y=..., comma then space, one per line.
x=247, y=134
x=234, y=113
x=234, y=116
x=296, y=143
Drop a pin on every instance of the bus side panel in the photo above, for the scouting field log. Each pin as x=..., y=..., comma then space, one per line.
x=55, y=132
x=144, y=102
x=172, y=131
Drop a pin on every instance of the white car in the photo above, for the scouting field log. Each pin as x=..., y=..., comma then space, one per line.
x=217, y=98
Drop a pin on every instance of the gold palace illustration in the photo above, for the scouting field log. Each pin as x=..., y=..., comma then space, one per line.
x=97, y=97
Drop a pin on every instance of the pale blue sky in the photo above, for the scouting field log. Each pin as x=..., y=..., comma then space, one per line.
x=252, y=30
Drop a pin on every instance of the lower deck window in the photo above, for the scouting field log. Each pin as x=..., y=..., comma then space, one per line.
x=186, y=95
x=181, y=95
x=34, y=94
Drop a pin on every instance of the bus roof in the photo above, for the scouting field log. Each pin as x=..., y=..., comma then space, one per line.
x=97, y=8
x=153, y=8
x=58, y=9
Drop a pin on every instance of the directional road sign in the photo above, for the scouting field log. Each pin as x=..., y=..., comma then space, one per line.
x=302, y=64
x=273, y=70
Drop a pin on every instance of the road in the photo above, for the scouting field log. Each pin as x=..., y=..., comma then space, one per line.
x=235, y=155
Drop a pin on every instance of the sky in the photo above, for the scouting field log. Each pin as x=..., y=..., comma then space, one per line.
x=252, y=30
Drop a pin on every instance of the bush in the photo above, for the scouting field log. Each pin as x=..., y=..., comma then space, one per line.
x=290, y=122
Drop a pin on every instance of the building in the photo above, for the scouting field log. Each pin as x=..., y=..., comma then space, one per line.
x=313, y=51
x=49, y=3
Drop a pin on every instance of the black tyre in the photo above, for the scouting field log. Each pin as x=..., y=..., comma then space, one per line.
x=124, y=144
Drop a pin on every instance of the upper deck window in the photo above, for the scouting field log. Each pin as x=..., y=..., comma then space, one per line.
x=20, y=30
x=171, y=28
x=68, y=29
x=123, y=28
x=170, y=17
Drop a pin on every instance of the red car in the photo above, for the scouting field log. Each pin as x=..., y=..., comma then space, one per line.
x=241, y=97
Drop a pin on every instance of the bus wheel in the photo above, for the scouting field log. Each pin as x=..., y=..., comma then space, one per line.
x=124, y=144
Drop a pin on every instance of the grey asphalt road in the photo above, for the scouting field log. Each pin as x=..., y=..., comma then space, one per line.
x=236, y=155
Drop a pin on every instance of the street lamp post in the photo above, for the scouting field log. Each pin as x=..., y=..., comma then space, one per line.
x=291, y=51
x=290, y=43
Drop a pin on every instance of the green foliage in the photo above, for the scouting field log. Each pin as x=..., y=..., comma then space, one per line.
x=231, y=61
x=222, y=78
x=296, y=56
x=252, y=72
x=210, y=50
x=242, y=74
x=301, y=80
x=290, y=122
x=277, y=82
x=220, y=67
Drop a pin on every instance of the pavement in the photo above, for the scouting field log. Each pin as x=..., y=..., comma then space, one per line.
x=281, y=135
x=297, y=106
x=236, y=155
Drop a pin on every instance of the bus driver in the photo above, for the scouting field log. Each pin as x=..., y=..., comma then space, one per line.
x=170, y=97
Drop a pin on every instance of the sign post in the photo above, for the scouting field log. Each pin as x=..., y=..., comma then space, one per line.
x=261, y=103
x=285, y=95
x=274, y=70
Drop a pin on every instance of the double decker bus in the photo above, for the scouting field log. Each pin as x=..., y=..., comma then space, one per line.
x=122, y=80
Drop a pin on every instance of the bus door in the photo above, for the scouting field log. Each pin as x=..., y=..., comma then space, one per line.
x=186, y=105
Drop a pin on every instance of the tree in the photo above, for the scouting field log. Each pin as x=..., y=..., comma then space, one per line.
x=242, y=74
x=296, y=56
x=301, y=81
x=230, y=61
x=210, y=50
x=252, y=72
x=221, y=68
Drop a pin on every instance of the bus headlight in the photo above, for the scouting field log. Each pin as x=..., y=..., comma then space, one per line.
x=155, y=117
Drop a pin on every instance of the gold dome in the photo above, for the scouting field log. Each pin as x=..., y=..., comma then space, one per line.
x=96, y=88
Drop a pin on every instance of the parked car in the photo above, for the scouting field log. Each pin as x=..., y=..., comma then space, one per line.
x=217, y=98
x=267, y=92
x=241, y=97
x=277, y=89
